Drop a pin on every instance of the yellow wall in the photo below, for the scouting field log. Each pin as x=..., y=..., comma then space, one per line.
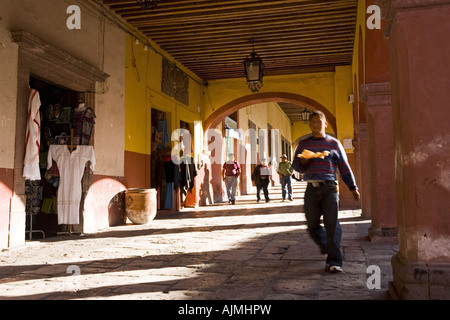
x=262, y=114
x=331, y=89
x=317, y=86
x=299, y=129
x=344, y=109
x=143, y=92
x=278, y=120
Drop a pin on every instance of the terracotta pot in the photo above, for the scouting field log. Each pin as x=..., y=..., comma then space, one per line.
x=141, y=205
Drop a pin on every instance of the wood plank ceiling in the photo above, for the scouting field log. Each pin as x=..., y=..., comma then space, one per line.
x=212, y=38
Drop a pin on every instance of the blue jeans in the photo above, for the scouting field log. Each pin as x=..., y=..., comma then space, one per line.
x=286, y=183
x=324, y=201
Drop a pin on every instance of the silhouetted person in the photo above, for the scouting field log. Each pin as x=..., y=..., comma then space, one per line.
x=261, y=176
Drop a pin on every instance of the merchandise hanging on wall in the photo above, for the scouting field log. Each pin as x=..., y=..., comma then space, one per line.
x=188, y=172
x=162, y=133
x=83, y=121
x=159, y=140
x=31, y=169
x=71, y=169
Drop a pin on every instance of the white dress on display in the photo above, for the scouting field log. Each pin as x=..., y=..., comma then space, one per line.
x=71, y=169
x=31, y=169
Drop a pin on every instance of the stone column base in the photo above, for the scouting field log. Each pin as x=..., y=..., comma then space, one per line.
x=383, y=234
x=419, y=281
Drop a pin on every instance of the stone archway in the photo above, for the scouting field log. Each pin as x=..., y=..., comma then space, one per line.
x=217, y=116
x=213, y=185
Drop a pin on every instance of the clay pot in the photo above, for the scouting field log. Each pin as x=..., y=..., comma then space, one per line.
x=141, y=205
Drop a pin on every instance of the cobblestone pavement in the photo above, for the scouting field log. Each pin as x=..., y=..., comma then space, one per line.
x=251, y=251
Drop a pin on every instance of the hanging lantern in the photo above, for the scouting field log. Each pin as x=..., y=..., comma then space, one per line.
x=148, y=4
x=305, y=115
x=254, y=71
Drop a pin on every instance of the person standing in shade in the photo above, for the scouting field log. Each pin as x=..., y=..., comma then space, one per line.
x=261, y=176
x=230, y=173
x=321, y=196
x=285, y=171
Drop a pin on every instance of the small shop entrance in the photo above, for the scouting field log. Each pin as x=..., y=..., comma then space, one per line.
x=58, y=126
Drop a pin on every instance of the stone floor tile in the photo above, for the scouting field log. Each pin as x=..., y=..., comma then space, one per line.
x=205, y=281
x=219, y=252
x=297, y=286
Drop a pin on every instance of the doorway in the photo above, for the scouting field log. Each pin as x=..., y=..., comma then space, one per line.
x=57, y=124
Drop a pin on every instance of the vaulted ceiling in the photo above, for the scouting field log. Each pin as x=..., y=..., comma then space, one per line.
x=212, y=38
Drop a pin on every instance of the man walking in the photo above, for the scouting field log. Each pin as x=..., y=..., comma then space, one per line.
x=230, y=173
x=285, y=171
x=318, y=157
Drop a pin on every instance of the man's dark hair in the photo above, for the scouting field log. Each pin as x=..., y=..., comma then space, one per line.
x=318, y=113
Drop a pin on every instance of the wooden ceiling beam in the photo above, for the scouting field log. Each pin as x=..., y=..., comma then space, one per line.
x=212, y=38
x=215, y=9
x=288, y=15
x=257, y=34
x=275, y=52
x=212, y=75
x=200, y=49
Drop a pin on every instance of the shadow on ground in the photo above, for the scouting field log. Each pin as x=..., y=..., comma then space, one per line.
x=251, y=254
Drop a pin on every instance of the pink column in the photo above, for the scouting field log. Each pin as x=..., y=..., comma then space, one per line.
x=362, y=160
x=418, y=34
x=381, y=161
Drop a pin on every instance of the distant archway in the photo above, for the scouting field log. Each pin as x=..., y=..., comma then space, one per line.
x=217, y=116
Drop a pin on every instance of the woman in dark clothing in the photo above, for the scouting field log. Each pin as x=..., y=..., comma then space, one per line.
x=261, y=176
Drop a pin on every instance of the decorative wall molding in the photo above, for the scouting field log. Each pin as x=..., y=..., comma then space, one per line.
x=56, y=65
x=376, y=94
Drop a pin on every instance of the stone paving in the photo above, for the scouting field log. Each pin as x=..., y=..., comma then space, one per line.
x=248, y=251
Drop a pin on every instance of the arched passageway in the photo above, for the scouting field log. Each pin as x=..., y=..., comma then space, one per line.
x=213, y=168
x=217, y=116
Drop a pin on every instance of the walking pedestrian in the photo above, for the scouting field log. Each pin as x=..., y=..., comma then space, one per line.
x=285, y=171
x=261, y=176
x=318, y=157
x=230, y=173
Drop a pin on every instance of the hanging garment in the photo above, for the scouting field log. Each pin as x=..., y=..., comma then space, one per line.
x=168, y=203
x=71, y=169
x=188, y=173
x=83, y=126
x=163, y=127
x=157, y=170
x=169, y=169
x=31, y=169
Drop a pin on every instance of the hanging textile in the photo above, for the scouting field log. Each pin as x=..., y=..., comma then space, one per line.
x=71, y=168
x=83, y=121
x=163, y=128
x=168, y=202
x=33, y=138
x=157, y=170
x=172, y=179
x=188, y=172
